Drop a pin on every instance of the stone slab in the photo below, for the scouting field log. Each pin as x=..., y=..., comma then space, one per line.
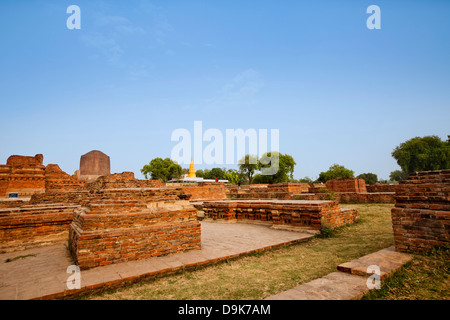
x=387, y=259
x=350, y=281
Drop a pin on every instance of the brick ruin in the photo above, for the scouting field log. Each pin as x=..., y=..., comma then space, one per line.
x=32, y=225
x=281, y=214
x=204, y=190
x=357, y=185
x=121, y=180
x=344, y=190
x=421, y=216
x=27, y=175
x=118, y=225
x=58, y=180
x=283, y=191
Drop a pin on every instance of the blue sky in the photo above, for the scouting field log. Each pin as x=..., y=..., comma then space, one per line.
x=137, y=70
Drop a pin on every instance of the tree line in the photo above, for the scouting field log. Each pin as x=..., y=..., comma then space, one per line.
x=416, y=154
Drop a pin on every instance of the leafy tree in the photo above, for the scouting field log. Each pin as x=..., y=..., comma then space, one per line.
x=233, y=176
x=398, y=175
x=248, y=165
x=423, y=154
x=162, y=169
x=201, y=173
x=306, y=180
x=370, y=178
x=284, y=162
x=214, y=173
x=263, y=179
x=335, y=171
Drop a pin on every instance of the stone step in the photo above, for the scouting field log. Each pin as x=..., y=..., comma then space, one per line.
x=387, y=259
x=350, y=282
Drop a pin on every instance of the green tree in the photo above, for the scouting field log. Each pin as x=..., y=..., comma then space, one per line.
x=162, y=169
x=423, y=154
x=284, y=166
x=248, y=165
x=261, y=179
x=398, y=175
x=370, y=178
x=214, y=173
x=233, y=176
x=335, y=171
x=306, y=180
x=201, y=173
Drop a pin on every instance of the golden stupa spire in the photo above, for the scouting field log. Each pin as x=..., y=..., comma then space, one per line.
x=191, y=170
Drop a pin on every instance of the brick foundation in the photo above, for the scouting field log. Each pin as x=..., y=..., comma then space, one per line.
x=421, y=216
x=203, y=190
x=288, y=213
x=119, y=225
x=30, y=225
x=357, y=185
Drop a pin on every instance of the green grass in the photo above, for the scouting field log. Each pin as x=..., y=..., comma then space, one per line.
x=426, y=277
x=266, y=273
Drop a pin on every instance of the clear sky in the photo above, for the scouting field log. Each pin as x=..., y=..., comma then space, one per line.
x=137, y=70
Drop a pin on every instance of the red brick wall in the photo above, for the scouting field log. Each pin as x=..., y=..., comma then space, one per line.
x=381, y=187
x=13, y=203
x=119, y=225
x=58, y=180
x=421, y=216
x=205, y=190
x=27, y=176
x=122, y=180
x=304, y=214
x=289, y=187
x=346, y=185
x=374, y=197
x=26, y=224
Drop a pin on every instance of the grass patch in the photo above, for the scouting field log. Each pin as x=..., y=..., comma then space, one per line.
x=425, y=277
x=266, y=273
x=19, y=257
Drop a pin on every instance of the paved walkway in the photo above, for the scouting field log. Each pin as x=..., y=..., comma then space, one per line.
x=40, y=273
x=350, y=282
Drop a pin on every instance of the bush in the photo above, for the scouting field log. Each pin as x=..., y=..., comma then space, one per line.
x=326, y=232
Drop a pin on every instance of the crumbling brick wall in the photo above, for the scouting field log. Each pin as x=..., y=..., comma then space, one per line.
x=292, y=213
x=58, y=180
x=25, y=175
x=21, y=227
x=28, y=176
x=421, y=216
x=204, y=190
x=381, y=187
x=282, y=191
x=119, y=225
x=347, y=185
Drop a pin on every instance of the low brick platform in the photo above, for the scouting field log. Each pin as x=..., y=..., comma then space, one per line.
x=40, y=273
x=289, y=214
x=117, y=225
x=34, y=225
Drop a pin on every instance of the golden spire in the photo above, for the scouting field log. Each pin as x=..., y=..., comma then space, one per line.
x=191, y=170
